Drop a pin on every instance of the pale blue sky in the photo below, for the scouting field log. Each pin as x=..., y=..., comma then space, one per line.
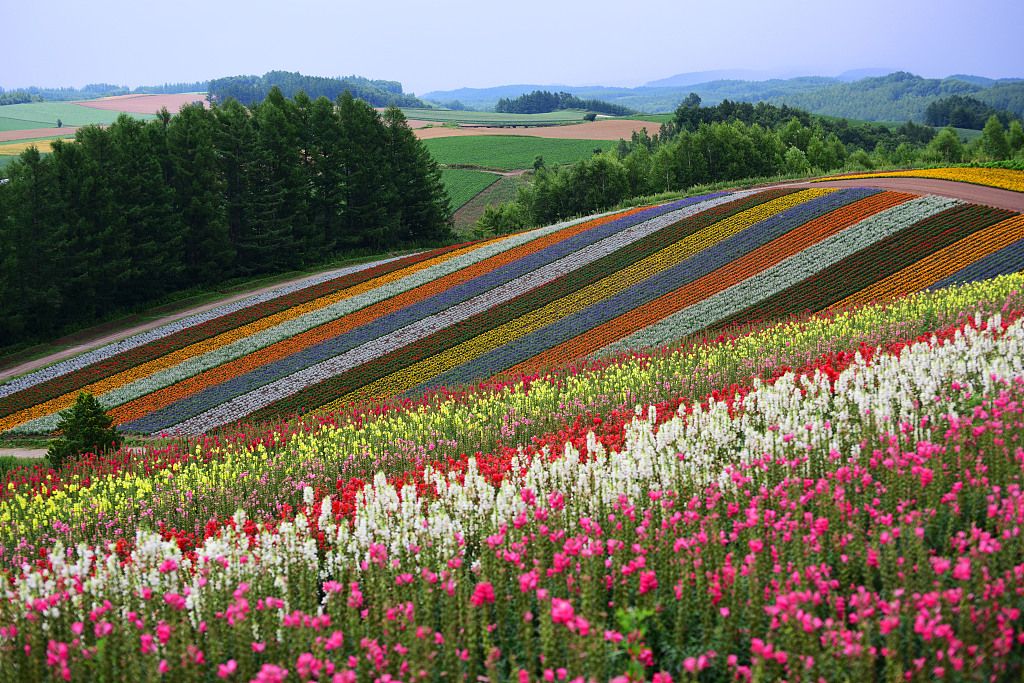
x=448, y=44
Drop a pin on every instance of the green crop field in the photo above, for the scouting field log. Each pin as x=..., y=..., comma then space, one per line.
x=510, y=152
x=45, y=115
x=463, y=184
x=656, y=118
x=490, y=118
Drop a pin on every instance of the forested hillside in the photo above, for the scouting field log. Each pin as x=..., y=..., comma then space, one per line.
x=254, y=89
x=732, y=141
x=543, y=101
x=125, y=215
x=900, y=96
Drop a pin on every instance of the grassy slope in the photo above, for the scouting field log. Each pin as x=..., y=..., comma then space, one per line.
x=45, y=115
x=463, y=184
x=508, y=152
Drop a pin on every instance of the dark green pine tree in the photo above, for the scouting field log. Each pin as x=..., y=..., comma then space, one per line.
x=283, y=200
x=199, y=195
x=325, y=173
x=234, y=138
x=420, y=197
x=98, y=253
x=31, y=246
x=145, y=199
x=84, y=428
x=370, y=218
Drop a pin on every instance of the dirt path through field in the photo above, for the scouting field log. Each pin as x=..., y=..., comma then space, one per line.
x=23, y=453
x=976, y=194
x=81, y=346
x=26, y=453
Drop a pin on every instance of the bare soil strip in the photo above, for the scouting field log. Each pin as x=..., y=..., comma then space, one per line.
x=31, y=133
x=145, y=104
x=608, y=129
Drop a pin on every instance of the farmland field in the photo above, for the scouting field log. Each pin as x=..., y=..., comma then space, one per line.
x=463, y=184
x=504, y=190
x=490, y=118
x=145, y=104
x=45, y=114
x=508, y=153
x=525, y=302
x=602, y=129
x=13, y=149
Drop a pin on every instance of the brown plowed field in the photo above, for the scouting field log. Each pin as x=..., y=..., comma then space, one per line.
x=11, y=135
x=608, y=129
x=145, y=104
x=976, y=194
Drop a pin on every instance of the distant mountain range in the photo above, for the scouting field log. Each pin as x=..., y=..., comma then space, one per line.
x=859, y=94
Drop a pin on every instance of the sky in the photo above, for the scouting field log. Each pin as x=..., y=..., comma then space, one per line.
x=441, y=44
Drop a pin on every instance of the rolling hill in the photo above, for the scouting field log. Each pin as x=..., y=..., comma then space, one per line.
x=863, y=94
x=523, y=302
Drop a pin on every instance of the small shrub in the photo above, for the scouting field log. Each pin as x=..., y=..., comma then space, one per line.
x=85, y=428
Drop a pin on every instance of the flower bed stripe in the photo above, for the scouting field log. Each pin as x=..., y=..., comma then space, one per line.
x=196, y=327
x=388, y=316
x=1003, y=178
x=180, y=365
x=450, y=335
x=409, y=377
x=165, y=397
x=374, y=348
x=1003, y=262
x=877, y=261
x=104, y=352
x=942, y=263
x=704, y=265
x=130, y=369
x=777, y=278
x=714, y=282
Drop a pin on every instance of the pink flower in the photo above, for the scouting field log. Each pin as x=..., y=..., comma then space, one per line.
x=163, y=632
x=648, y=582
x=561, y=611
x=962, y=571
x=483, y=594
x=662, y=677
x=227, y=668
x=271, y=674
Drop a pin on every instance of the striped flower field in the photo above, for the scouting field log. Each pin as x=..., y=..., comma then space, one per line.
x=525, y=302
